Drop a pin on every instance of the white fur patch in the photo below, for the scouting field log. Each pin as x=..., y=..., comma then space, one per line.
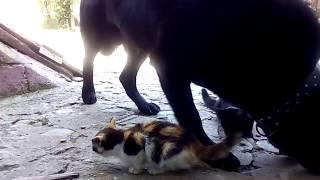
x=136, y=164
x=181, y=161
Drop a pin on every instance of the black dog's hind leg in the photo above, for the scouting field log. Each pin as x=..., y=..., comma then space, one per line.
x=128, y=79
x=178, y=93
x=88, y=91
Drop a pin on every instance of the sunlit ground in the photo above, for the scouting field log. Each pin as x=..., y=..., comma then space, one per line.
x=70, y=45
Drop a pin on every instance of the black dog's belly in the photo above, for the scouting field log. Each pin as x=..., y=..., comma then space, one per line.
x=245, y=53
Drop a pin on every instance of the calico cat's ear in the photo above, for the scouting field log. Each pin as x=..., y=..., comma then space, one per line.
x=112, y=123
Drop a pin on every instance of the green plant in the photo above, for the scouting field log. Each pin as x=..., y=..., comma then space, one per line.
x=57, y=13
x=63, y=13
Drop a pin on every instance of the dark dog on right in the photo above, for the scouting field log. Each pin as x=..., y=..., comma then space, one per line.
x=259, y=55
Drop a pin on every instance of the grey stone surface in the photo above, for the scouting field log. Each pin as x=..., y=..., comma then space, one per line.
x=264, y=144
x=20, y=74
x=9, y=55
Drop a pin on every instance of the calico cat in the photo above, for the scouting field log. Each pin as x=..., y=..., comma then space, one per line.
x=158, y=147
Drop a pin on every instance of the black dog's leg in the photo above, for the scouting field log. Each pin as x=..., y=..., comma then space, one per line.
x=247, y=129
x=128, y=80
x=178, y=93
x=88, y=91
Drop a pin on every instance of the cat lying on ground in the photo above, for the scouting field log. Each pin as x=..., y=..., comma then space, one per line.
x=158, y=147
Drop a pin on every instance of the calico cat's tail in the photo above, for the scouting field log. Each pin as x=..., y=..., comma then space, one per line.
x=217, y=151
x=232, y=121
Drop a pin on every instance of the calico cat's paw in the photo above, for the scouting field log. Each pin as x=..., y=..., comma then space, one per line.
x=154, y=171
x=135, y=170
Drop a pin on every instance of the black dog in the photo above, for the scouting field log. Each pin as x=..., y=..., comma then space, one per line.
x=254, y=54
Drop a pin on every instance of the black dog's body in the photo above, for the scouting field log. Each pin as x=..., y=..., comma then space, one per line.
x=251, y=53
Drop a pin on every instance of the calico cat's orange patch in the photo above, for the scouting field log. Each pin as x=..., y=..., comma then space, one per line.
x=171, y=131
x=149, y=127
x=212, y=152
x=112, y=123
x=167, y=147
x=191, y=157
x=139, y=138
x=127, y=134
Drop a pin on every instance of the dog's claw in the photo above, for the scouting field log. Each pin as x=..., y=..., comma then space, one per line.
x=150, y=109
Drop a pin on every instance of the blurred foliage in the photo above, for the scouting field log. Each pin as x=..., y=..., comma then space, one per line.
x=57, y=13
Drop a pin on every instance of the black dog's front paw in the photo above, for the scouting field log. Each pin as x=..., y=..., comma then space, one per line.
x=149, y=109
x=89, y=97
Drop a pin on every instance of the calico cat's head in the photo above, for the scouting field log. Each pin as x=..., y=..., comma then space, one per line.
x=107, y=139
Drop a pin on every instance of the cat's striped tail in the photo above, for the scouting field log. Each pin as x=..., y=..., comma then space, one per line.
x=219, y=150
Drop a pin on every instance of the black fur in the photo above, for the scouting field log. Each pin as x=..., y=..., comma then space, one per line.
x=131, y=147
x=232, y=119
x=156, y=154
x=251, y=53
x=114, y=137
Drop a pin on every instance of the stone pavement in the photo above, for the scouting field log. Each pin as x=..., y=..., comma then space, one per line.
x=49, y=132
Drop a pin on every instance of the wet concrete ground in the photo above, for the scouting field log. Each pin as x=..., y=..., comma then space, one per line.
x=50, y=131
